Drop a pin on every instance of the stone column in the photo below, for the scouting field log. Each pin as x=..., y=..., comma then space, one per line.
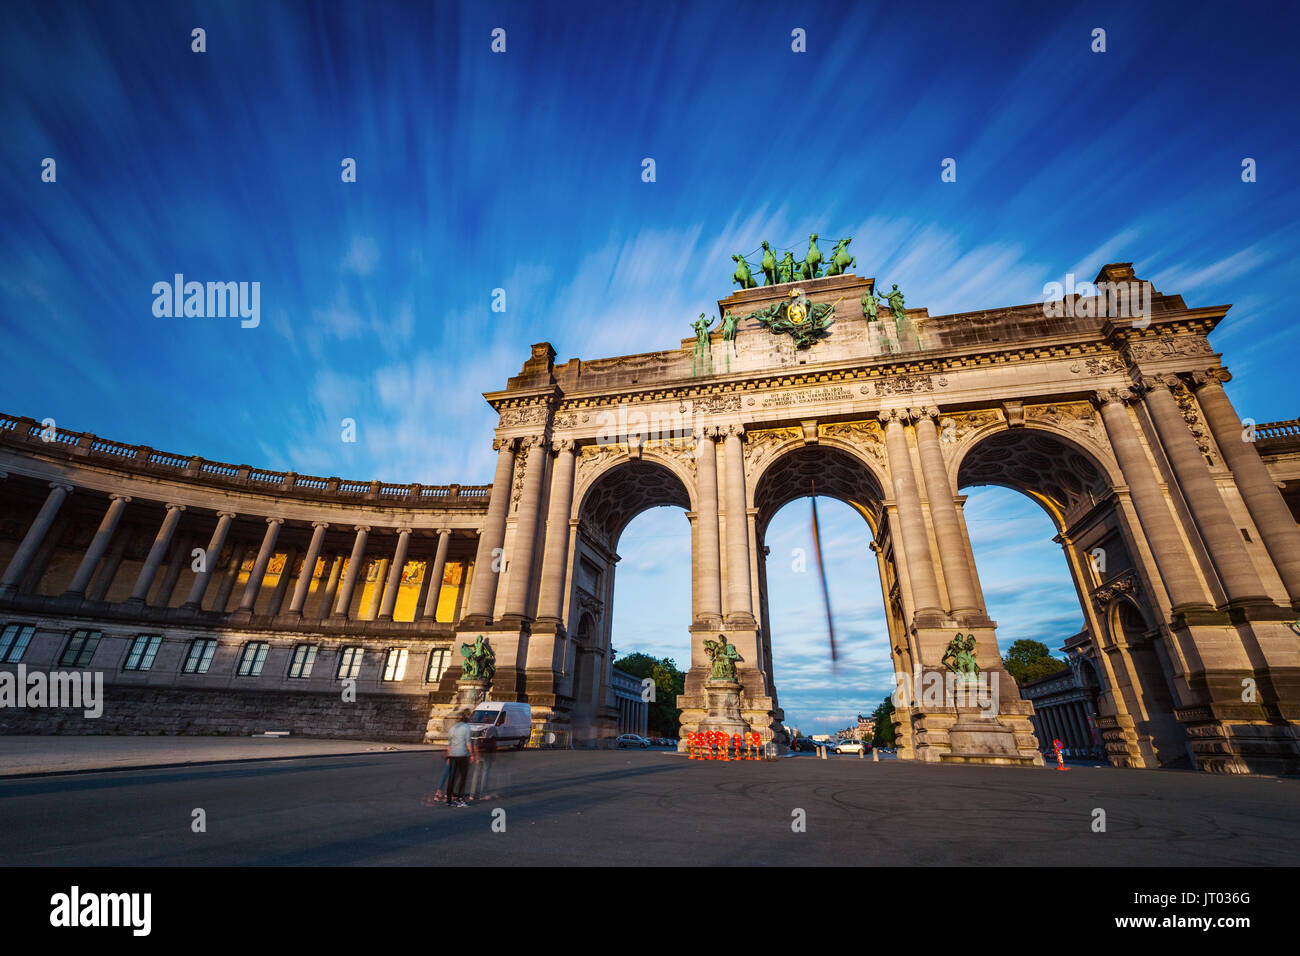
x=152, y=562
x=98, y=545
x=530, y=504
x=282, y=585
x=462, y=592
x=254, y=586
x=708, y=574
x=180, y=558
x=550, y=603
x=740, y=601
x=916, y=541
x=394, y=583
x=344, y=601
x=371, y=610
x=34, y=538
x=1219, y=532
x=433, y=575
x=211, y=558
x=1273, y=519
x=487, y=564
x=943, y=511
x=1181, y=582
x=238, y=553
x=104, y=580
x=331, y=587
x=303, y=584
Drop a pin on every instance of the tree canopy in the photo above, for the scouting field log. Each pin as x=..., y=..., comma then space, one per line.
x=1030, y=660
x=664, y=716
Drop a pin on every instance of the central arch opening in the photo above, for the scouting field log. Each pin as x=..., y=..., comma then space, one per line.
x=820, y=694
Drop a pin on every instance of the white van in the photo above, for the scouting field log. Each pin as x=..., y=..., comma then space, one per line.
x=510, y=723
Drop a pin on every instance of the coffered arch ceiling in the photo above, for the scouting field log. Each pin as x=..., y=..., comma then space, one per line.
x=825, y=470
x=626, y=490
x=1052, y=470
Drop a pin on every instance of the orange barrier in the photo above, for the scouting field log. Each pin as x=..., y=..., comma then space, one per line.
x=715, y=745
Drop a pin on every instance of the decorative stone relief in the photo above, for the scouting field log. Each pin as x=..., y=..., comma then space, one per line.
x=713, y=404
x=1070, y=416
x=1108, y=592
x=905, y=385
x=521, y=464
x=1168, y=346
x=763, y=443
x=1191, y=415
x=866, y=435
x=566, y=419
x=532, y=415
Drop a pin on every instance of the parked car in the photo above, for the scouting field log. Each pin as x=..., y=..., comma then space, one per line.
x=497, y=725
x=850, y=747
x=632, y=740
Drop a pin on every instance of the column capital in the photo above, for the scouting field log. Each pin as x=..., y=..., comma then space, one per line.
x=1113, y=396
x=530, y=441
x=441, y=531
x=67, y=488
x=120, y=497
x=712, y=432
x=275, y=519
x=402, y=530
x=1150, y=383
x=320, y=524
x=930, y=411
x=562, y=445
x=173, y=506
x=1210, y=376
x=891, y=415
x=227, y=514
x=504, y=443
x=737, y=430
x=361, y=527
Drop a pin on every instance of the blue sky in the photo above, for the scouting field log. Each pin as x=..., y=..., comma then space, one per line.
x=522, y=171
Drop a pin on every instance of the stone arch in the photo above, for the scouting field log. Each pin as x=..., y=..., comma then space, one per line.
x=1047, y=464
x=839, y=469
x=624, y=487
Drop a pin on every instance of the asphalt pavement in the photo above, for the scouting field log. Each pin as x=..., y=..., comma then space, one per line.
x=645, y=807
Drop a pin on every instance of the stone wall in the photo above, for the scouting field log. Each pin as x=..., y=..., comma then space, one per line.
x=155, y=710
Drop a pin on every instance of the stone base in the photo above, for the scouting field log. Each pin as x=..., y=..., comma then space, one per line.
x=723, y=708
x=1219, y=743
x=970, y=735
x=469, y=694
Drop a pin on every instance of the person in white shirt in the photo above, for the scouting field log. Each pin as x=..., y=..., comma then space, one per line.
x=460, y=752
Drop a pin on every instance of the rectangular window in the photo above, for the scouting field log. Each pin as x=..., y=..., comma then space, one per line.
x=304, y=658
x=80, y=649
x=437, y=664
x=349, y=663
x=143, y=650
x=395, y=664
x=254, y=656
x=199, y=657
x=14, y=641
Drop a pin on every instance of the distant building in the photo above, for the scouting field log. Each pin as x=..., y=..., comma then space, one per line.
x=1065, y=704
x=633, y=712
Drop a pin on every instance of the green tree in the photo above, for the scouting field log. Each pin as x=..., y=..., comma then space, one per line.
x=1029, y=660
x=884, y=718
x=664, y=717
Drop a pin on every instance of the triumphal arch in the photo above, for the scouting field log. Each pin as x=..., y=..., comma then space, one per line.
x=1104, y=405
x=215, y=597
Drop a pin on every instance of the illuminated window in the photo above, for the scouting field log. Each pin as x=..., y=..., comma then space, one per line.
x=199, y=657
x=143, y=650
x=80, y=649
x=304, y=657
x=252, y=659
x=439, y=660
x=349, y=663
x=14, y=641
x=395, y=664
